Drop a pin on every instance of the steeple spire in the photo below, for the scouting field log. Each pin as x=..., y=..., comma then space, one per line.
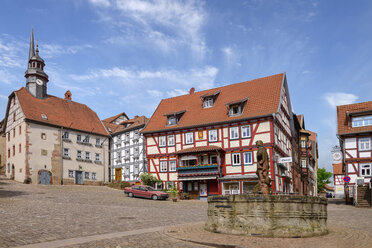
x=32, y=46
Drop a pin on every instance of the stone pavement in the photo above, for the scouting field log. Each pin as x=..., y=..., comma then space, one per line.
x=91, y=216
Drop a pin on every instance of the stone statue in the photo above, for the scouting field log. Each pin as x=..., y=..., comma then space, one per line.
x=264, y=180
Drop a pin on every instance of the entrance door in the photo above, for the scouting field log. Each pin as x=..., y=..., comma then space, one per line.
x=13, y=171
x=78, y=177
x=118, y=174
x=45, y=177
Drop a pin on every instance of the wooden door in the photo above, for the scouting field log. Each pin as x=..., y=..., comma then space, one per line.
x=118, y=174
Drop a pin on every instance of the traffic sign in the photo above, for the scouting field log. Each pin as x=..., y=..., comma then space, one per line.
x=347, y=179
x=285, y=160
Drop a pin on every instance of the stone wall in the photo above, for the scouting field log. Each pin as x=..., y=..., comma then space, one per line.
x=267, y=215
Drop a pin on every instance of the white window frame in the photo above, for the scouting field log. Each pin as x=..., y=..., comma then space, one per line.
x=208, y=102
x=172, y=165
x=239, y=110
x=250, y=158
x=364, y=144
x=66, y=152
x=78, y=137
x=231, y=130
x=303, y=165
x=362, y=169
x=66, y=135
x=171, y=120
x=238, y=155
x=94, y=176
x=98, y=157
x=98, y=141
x=362, y=120
x=79, y=154
x=71, y=173
x=163, y=166
x=248, y=127
x=210, y=159
x=87, y=155
x=162, y=141
x=171, y=138
x=86, y=175
x=189, y=138
x=303, y=143
x=213, y=135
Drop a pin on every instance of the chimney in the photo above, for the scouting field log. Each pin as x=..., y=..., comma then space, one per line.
x=68, y=95
x=192, y=90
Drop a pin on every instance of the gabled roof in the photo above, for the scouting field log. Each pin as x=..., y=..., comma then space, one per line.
x=263, y=99
x=59, y=112
x=344, y=113
x=113, y=118
x=135, y=123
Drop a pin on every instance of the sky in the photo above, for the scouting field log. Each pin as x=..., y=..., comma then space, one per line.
x=125, y=56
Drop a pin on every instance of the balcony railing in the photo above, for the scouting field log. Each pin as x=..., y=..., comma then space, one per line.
x=197, y=166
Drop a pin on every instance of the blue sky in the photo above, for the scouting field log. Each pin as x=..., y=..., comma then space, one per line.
x=125, y=56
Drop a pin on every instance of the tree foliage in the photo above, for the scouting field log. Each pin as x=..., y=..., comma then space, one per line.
x=323, y=178
x=149, y=179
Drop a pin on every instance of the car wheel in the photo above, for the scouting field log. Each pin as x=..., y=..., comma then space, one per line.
x=154, y=197
x=130, y=194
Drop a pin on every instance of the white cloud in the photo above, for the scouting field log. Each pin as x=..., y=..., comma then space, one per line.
x=10, y=50
x=339, y=98
x=176, y=92
x=2, y=97
x=231, y=56
x=166, y=24
x=102, y=3
x=53, y=50
x=155, y=93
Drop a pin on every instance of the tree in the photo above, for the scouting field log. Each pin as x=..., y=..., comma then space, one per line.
x=323, y=178
x=149, y=179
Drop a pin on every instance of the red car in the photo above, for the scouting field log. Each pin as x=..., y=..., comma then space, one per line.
x=145, y=192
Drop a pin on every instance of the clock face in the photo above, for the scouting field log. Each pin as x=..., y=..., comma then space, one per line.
x=39, y=81
x=337, y=156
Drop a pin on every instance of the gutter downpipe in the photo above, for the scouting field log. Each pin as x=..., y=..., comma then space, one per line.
x=61, y=155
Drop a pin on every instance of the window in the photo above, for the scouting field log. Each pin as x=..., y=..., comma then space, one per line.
x=20, y=148
x=127, y=152
x=87, y=155
x=86, y=140
x=208, y=102
x=13, y=150
x=66, y=152
x=247, y=158
x=70, y=173
x=303, y=143
x=8, y=168
x=162, y=141
x=303, y=163
x=172, y=165
x=364, y=144
x=78, y=155
x=236, y=159
x=8, y=153
x=212, y=134
x=14, y=117
x=246, y=131
x=78, y=138
x=213, y=159
x=44, y=117
x=66, y=135
x=362, y=121
x=20, y=130
x=9, y=136
x=163, y=166
x=234, y=132
x=171, y=140
x=171, y=120
x=235, y=109
x=189, y=138
x=86, y=175
x=365, y=170
x=98, y=157
x=94, y=176
x=13, y=132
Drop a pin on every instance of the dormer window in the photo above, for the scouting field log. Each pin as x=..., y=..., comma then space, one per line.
x=236, y=108
x=174, y=117
x=209, y=99
x=362, y=121
x=44, y=117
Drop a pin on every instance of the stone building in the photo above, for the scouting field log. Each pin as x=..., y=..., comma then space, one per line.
x=354, y=123
x=127, y=147
x=204, y=143
x=313, y=163
x=52, y=140
x=2, y=149
x=297, y=176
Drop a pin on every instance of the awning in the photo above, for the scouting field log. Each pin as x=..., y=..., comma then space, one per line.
x=189, y=157
x=197, y=178
x=239, y=177
x=199, y=149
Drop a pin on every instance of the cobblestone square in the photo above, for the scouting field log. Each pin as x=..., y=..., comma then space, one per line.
x=93, y=216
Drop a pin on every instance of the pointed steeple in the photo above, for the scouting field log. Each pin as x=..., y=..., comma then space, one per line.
x=32, y=46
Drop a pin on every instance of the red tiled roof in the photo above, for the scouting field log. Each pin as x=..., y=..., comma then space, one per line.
x=199, y=149
x=313, y=136
x=330, y=188
x=60, y=112
x=111, y=119
x=263, y=99
x=337, y=169
x=137, y=121
x=344, y=122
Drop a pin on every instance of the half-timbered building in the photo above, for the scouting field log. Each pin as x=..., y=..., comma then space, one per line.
x=338, y=174
x=127, y=147
x=355, y=136
x=203, y=143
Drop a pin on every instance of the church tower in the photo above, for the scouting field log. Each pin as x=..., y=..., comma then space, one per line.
x=36, y=78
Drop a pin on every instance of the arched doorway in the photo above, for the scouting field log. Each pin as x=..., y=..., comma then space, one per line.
x=45, y=177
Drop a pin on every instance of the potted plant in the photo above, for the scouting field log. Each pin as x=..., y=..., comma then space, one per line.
x=174, y=194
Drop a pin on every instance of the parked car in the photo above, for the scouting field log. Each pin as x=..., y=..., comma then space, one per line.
x=145, y=192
